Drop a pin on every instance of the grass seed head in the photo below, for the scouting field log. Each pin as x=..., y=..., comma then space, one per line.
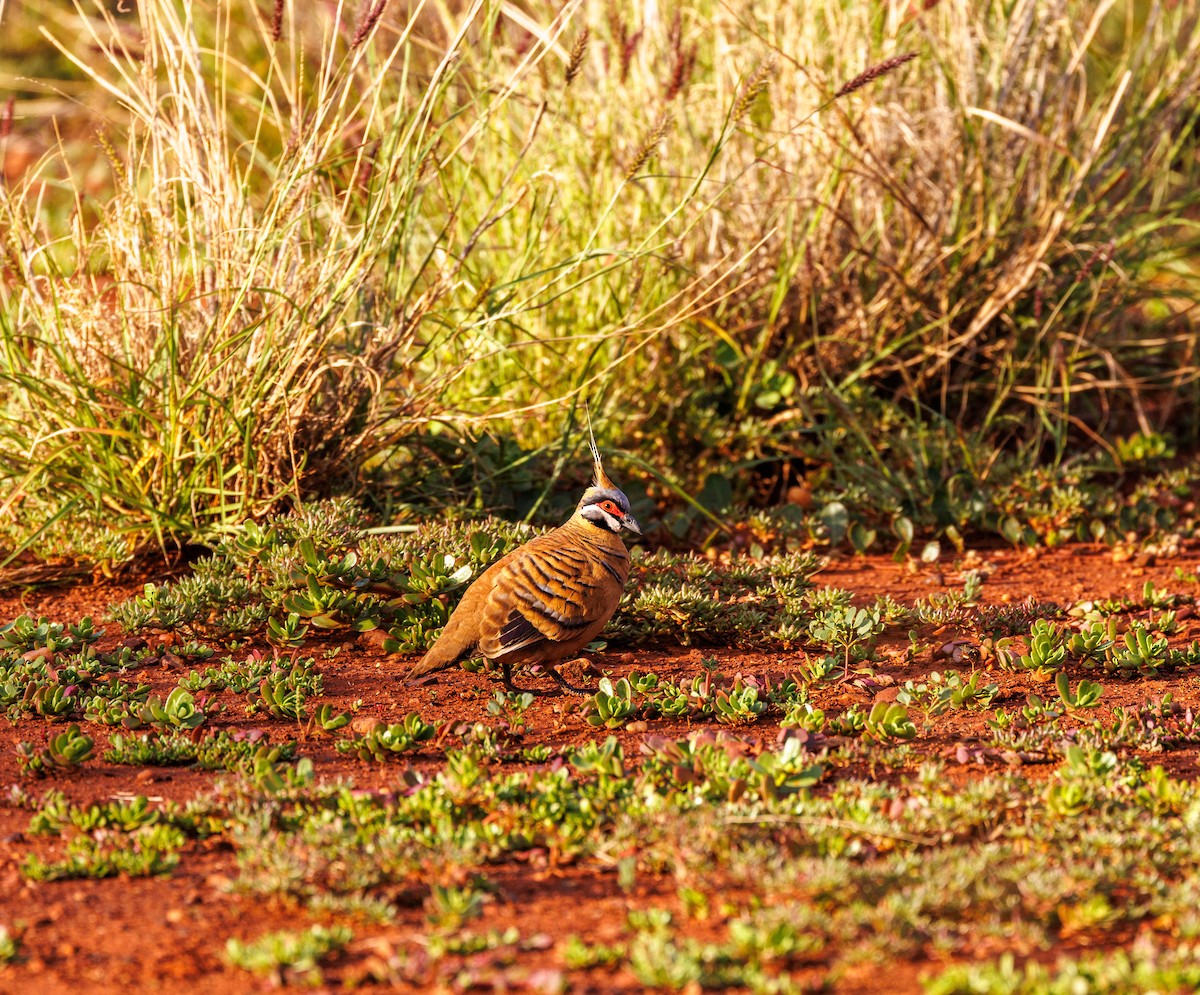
x=575, y=62
x=756, y=84
x=874, y=72
x=367, y=24
x=683, y=59
x=649, y=145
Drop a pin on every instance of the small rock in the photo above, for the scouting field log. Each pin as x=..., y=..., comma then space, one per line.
x=801, y=495
x=175, y=916
x=545, y=979
x=955, y=649
x=373, y=638
x=637, y=726
x=364, y=725
x=886, y=694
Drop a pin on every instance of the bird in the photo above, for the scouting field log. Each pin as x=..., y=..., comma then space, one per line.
x=547, y=599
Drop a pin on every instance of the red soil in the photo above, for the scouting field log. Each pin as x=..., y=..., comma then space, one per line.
x=169, y=933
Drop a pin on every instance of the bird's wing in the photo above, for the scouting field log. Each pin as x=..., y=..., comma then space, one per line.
x=552, y=591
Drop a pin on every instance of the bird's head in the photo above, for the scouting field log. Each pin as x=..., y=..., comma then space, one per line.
x=607, y=507
x=604, y=504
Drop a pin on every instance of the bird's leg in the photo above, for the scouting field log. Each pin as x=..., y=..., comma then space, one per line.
x=506, y=670
x=563, y=683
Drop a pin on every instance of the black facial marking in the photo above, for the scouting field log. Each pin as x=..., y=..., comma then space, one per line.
x=602, y=520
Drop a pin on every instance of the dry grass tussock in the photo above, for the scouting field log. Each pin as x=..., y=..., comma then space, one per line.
x=214, y=335
x=979, y=226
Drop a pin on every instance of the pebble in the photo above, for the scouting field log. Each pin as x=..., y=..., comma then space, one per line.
x=800, y=495
x=366, y=724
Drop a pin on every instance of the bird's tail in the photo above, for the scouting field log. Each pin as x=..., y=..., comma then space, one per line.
x=452, y=645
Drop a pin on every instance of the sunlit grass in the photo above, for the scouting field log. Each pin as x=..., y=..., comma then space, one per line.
x=286, y=262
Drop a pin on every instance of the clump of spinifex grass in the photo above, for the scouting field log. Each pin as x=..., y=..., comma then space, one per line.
x=988, y=244
x=901, y=239
x=225, y=329
x=216, y=336
x=298, y=259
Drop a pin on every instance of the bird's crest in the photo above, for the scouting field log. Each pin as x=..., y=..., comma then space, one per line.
x=601, y=478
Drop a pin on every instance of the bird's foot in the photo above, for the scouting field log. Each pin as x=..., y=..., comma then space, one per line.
x=506, y=670
x=566, y=685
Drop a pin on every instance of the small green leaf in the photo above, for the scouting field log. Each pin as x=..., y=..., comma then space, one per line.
x=836, y=519
x=861, y=538
x=1012, y=530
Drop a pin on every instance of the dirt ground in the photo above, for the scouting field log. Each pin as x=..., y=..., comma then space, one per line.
x=169, y=934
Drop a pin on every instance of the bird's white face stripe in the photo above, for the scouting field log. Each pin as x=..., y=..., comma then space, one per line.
x=594, y=513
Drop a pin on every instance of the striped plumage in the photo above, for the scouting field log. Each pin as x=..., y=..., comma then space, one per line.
x=546, y=600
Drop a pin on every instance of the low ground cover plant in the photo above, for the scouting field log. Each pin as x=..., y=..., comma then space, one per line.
x=786, y=780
